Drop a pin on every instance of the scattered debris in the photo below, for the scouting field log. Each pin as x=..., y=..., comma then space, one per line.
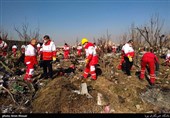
x=101, y=101
x=157, y=97
x=121, y=99
x=107, y=109
x=138, y=107
x=83, y=90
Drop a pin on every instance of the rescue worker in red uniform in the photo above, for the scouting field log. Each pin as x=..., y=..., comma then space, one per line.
x=23, y=49
x=14, y=50
x=79, y=50
x=168, y=58
x=66, y=49
x=114, y=48
x=128, y=56
x=149, y=59
x=48, y=52
x=22, y=57
x=122, y=60
x=38, y=48
x=91, y=59
x=3, y=48
x=30, y=59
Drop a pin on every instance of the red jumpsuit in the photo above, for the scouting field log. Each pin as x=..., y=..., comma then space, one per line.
x=79, y=50
x=91, y=55
x=121, y=61
x=148, y=59
x=66, y=51
x=14, y=50
x=3, y=48
x=30, y=61
x=168, y=59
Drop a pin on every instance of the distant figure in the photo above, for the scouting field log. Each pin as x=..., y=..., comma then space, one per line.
x=120, y=66
x=79, y=50
x=3, y=48
x=23, y=49
x=21, y=58
x=114, y=48
x=149, y=59
x=66, y=51
x=38, y=48
x=30, y=59
x=96, y=48
x=14, y=50
x=168, y=58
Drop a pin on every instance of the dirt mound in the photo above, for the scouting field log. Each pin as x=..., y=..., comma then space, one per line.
x=46, y=100
x=112, y=92
x=58, y=97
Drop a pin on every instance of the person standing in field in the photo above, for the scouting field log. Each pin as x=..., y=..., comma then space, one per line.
x=79, y=50
x=30, y=59
x=3, y=48
x=66, y=49
x=128, y=56
x=14, y=50
x=168, y=58
x=48, y=52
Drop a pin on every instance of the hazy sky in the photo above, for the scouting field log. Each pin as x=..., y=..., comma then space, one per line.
x=67, y=20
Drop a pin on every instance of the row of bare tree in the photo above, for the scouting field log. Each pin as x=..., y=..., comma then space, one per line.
x=150, y=34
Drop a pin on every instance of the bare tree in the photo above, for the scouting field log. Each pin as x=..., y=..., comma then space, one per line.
x=152, y=33
x=123, y=38
x=25, y=34
x=4, y=35
x=164, y=41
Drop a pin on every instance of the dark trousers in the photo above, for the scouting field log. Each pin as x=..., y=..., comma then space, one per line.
x=47, y=65
x=128, y=66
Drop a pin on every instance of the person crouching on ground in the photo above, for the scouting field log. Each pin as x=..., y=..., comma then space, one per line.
x=149, y=59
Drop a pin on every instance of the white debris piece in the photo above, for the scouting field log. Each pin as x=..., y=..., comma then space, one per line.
x=99, y=99
x=76, y=91
x=41, y=84
x=5, y=110
x=138, y=107
x=88, y=95
x=83, y=90
x=1, y=76
x=107, y=109
x=112, y=111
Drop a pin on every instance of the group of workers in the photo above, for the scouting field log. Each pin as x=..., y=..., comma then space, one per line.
x=47, y=52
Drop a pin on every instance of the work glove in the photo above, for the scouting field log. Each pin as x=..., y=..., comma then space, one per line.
x=54, y=58
x=130, y=58
x=86, y=61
